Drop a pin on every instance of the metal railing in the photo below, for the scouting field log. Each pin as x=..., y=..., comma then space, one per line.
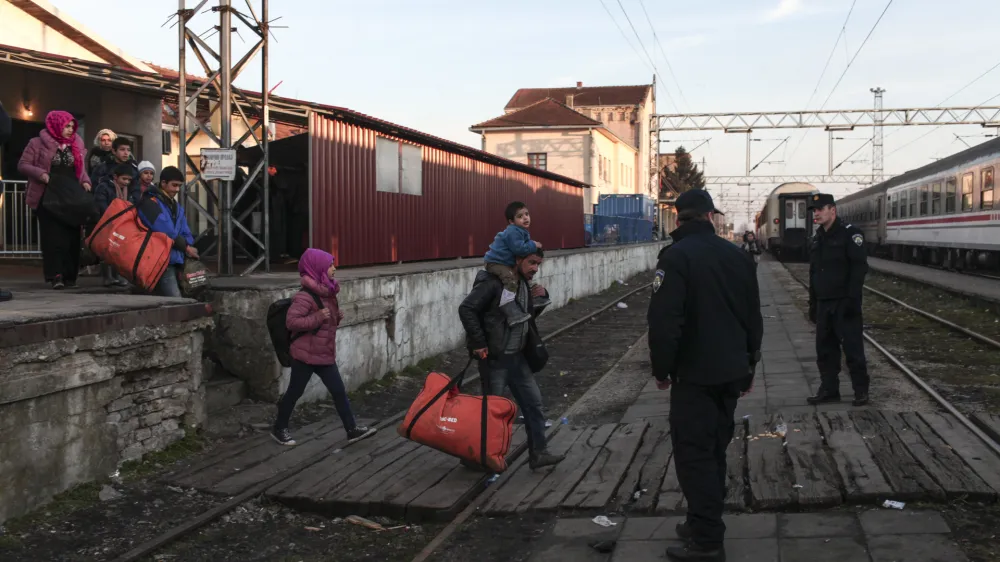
x=605, y=231
x=19, y=234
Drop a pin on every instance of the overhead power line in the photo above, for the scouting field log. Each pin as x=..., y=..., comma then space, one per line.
x=923, y=136
x=849, y=64
x=663, y=52
x=651, y=61
x=843, y=31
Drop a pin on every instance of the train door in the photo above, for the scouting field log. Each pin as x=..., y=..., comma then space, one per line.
x=795, y=214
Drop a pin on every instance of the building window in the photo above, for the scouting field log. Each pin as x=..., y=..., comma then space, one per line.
x=986, y=190
x=411, y=169
x=386, y=165
x=967, y=192
x=936, y=199
x=923, y=200
x=950, y=186
x=611, y=117
x=538, y=160
x=399, y=167
x=621, y=116
x=168, y=141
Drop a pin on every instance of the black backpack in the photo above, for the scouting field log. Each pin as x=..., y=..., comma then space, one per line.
x=281, y=337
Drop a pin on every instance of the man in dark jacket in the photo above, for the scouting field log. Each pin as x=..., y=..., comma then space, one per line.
x=705, y=332
x=5, y=128
x=500, y=348
x=837, y=268
x=121, y=153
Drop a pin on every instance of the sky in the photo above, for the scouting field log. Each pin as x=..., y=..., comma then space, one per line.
x=441, y=66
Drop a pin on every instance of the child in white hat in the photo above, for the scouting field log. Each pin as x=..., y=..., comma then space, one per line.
x=146, y=175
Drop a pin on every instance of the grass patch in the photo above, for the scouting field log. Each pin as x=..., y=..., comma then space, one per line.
x=78, y=497
x=154, y=462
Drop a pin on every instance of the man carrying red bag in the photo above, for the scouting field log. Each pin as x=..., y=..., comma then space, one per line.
x=501, y=349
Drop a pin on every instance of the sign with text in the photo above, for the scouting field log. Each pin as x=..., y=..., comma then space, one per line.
x=218, y=164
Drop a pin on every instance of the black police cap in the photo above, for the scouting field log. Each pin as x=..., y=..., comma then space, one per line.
x=697, y=200
x=820, y=200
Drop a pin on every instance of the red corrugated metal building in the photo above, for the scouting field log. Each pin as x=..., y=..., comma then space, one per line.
x=382, y=193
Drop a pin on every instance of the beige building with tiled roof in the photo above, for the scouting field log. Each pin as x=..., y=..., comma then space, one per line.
x=598, y=135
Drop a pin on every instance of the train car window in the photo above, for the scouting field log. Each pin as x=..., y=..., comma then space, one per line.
x=986, y=189
x=895, y=207
x=911, y=195
x=923, y=200
x=936, y=199
x=903, y=205
x=802, y=210
x=967, y=192
x=949, y=195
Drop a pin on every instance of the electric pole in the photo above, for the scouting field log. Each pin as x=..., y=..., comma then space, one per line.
x=877, y=164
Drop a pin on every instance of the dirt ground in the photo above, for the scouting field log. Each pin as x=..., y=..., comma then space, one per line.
x=103, y=520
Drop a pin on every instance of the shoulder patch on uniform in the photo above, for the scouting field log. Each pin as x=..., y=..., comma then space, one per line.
x=858, y=239
x=657, y=280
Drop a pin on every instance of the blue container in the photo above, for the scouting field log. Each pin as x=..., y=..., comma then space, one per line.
x=629, y=206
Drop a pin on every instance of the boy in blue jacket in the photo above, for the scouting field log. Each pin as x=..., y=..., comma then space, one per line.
x=160, y=212
x=513, y=242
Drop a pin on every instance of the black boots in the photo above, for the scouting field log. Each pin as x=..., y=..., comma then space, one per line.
x=823, y=397
x=694, y=551
x=542, y=459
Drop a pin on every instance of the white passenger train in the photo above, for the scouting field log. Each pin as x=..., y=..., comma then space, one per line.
x=941, y=214
x=785, y=224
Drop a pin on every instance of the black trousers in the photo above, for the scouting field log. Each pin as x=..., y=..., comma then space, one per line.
x=838, y=325
x=301, y=373
x=701, y=427
x=60, y=247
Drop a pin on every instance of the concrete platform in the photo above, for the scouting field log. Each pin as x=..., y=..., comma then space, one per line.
x=968, y=285
x=879, y=536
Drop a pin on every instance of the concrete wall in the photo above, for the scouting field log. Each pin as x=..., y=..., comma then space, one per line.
x=393, y=321
x=100, y=107
x=72, y=409
x=565, y=150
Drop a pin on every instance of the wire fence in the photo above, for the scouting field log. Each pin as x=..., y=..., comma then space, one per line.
x=609, y=231
x=19, y=234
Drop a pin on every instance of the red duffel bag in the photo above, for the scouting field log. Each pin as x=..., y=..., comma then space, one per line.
x=121, y=240
x=475, y=428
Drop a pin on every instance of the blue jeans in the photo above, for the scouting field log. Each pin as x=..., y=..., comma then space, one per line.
x=167, y=286
x=512, y=371
x=301, y=373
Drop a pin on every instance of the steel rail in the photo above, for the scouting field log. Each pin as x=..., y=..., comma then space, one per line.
x=149, y=547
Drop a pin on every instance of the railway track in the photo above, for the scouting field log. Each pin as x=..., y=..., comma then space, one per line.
x=912, y=375
x=572, y=334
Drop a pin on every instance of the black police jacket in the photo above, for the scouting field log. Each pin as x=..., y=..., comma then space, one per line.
x=485, y=324
x=705, y=325
x=837, y=263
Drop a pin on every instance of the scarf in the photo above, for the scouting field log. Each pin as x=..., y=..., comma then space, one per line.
x=315, y=265
x=55, y=122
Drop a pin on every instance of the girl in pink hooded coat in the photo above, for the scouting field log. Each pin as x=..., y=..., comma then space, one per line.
x=315, y=348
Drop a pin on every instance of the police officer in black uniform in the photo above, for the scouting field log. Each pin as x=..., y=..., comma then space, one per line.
x=837, y=268
x=705, y=332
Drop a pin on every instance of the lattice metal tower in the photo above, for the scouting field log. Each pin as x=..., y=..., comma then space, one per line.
x=236, y=224
x=877, y=163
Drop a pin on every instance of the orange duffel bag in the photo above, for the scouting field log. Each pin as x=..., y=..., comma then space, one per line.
x=474, y=428
x=121, y=240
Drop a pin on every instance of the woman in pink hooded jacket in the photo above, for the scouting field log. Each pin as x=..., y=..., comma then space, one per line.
x=56, y=154
x=313, y=319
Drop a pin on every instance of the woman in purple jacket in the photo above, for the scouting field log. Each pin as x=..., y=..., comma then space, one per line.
x=56, y=155
x=313, y=319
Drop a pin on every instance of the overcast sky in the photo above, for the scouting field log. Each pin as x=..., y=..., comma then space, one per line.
x=443, y=65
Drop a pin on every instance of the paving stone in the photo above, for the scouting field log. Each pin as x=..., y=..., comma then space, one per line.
x=574, y=528
x=823, y=550
x=914, y=548
x=650, y=528
x=563, y=552
x=809, y=525
x=641, y=551
x=755, y=526
x=751, y=550
x=902, y=522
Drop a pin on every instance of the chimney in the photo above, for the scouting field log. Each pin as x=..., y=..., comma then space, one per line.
x=569, y=100
x=579, y=84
